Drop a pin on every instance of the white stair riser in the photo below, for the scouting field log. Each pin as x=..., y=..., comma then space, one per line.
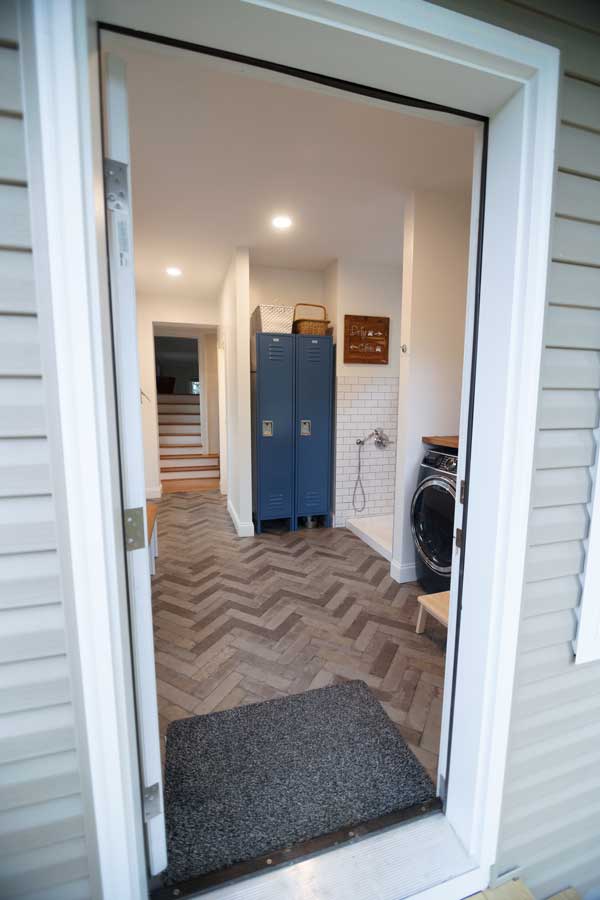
x=166, y=476
x=179, y=440
x=179, y=429
x=188, y=461
x=169, y=409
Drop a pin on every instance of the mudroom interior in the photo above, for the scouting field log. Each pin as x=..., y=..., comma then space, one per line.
x=302, y=255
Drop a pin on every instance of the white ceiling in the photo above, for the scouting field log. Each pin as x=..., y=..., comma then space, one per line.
x=218, y=149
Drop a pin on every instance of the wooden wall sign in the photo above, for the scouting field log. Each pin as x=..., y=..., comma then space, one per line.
x=366, y=339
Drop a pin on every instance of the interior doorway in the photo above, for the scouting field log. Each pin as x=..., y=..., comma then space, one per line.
x=329, y=610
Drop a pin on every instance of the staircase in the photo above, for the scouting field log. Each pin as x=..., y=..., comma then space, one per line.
x=182, y=453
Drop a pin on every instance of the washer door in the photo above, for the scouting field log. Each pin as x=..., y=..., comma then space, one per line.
x=432, y=523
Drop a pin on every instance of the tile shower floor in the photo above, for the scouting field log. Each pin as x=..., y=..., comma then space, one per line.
x=240, y=620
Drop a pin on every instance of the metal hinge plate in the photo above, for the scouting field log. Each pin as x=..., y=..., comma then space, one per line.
x=116, y=186
x=152, y=805
x=459, y=538
x=135, y=537
x=462, y=491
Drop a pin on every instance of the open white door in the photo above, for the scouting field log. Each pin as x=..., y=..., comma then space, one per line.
x=123, y=302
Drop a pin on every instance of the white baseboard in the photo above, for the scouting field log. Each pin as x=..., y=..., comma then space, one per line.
x=403, y=572
x=154, y=492
x=243, y=529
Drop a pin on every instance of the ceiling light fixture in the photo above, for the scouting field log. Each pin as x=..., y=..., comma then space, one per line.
x=173, y=271
x=281, y=222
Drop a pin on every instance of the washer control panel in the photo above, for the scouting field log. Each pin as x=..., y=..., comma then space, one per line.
x=444, y=462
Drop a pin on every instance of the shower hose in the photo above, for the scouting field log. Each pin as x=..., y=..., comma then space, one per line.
x=358, y=487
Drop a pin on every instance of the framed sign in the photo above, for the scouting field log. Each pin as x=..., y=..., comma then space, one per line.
x=366, y=339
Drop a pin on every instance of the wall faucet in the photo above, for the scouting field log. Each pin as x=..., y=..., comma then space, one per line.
x=381, y=440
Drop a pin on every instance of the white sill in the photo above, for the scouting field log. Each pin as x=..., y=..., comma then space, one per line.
x=423, y=857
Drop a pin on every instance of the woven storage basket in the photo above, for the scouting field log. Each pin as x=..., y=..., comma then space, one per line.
x=276, y=319
x=270, y=318
x=311, y=326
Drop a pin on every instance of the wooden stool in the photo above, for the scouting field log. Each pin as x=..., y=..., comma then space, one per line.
x=437, y=605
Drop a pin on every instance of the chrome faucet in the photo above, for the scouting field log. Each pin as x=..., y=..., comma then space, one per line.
x=380, y=439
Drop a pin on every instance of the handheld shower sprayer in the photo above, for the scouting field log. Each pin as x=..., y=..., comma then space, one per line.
x=381, y=441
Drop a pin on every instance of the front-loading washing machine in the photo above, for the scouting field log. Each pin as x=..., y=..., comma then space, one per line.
x=432, y=520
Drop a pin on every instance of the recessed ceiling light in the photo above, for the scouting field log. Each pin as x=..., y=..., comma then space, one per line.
x=173, y=271
x=281, y=222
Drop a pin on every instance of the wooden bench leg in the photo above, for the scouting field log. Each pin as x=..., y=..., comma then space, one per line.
x=421, y=620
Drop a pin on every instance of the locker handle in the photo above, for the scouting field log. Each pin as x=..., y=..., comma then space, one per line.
x=267, y=428
x=305, y=427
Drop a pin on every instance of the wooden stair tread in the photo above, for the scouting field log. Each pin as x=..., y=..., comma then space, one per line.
x=178, y=434
x=151, y=513
x=189, y=468
x=189, y=455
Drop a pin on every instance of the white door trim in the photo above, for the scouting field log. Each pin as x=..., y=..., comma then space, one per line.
x=133, y=489
x=69, y=123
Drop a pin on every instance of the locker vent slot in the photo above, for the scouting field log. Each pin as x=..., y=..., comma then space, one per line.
x=275, y=353
x=312, y=500
x=313, y=354
x=274, y=503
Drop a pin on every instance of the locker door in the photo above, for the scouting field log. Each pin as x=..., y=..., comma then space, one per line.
x=314, y=373
x=275, y=426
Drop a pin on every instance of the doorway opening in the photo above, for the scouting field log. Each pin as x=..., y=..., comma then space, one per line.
x=187, y=407
x=240, y=620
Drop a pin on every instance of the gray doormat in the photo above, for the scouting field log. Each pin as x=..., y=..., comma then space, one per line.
x=253, y=780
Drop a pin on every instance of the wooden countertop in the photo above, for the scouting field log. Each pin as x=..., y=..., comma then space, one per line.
x=438, y=440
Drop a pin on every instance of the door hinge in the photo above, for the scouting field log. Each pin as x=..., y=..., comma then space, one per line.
x=462, y=491
x=135, y=537
x=151, y=801
x=116, y=186
x=458, y=538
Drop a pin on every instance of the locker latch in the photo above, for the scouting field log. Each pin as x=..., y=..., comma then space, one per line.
x=305, y=427
x=267, y=428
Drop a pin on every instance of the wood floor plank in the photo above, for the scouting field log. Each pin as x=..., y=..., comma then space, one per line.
x=243, y=620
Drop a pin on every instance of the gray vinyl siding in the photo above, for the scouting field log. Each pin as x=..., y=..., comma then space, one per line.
x=550, y=826
x=44, y=851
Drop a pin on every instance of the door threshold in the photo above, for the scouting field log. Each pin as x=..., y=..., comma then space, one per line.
x=193, y=887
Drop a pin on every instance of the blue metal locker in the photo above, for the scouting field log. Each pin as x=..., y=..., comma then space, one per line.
x=273, y=426
x=314, y=425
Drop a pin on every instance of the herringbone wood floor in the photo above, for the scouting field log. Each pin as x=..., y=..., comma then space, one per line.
x=240, y=620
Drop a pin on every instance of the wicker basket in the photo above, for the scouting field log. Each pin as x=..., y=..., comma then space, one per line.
x=311, y=326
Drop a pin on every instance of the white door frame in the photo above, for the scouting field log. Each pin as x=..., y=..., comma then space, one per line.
x=522, y=136
x=127, y=374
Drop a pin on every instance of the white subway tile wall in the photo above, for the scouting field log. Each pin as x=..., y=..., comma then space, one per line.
x=363, y=403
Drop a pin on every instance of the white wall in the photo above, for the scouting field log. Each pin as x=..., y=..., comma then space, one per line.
x=285, y=287
x=210, y=380
x=151, y=310
x=234, y=335
x=369, y=290
x=366, y=395
x=435, y=285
